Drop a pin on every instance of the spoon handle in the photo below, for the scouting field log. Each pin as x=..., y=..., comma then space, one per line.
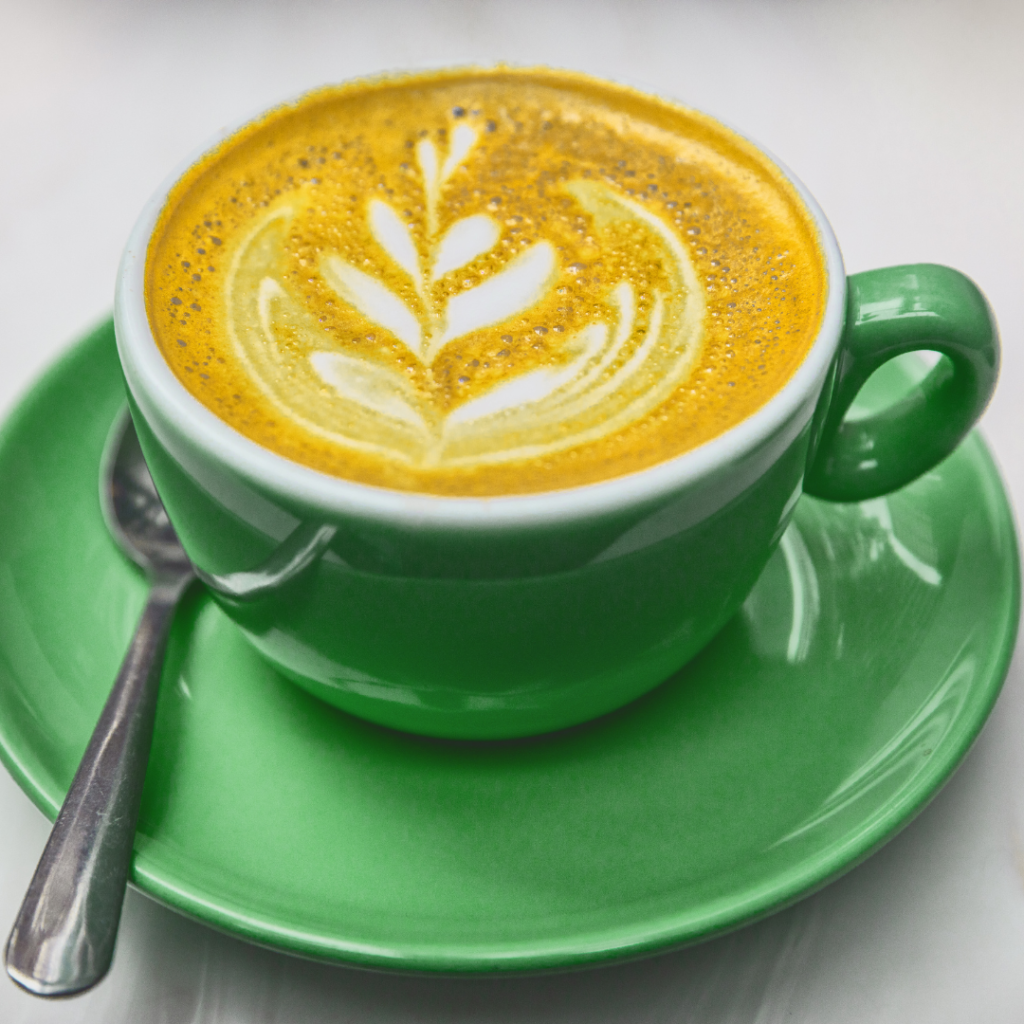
x=63, y=938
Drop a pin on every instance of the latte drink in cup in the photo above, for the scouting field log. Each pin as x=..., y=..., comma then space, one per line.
x=480, y=398
x=484, y=283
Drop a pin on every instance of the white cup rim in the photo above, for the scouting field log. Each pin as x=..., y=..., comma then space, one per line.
x=156, y=388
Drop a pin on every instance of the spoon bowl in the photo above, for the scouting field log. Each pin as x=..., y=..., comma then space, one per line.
x=132, y=509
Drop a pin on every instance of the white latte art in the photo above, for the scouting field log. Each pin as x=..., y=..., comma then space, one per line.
x=481, y=282
x=603, y=377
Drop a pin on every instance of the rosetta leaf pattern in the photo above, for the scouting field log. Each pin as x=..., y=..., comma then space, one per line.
x=464, y=241
x=620, y=366
x=375, y=301
x=425, y=329
x=515, y=288
x=394, y=237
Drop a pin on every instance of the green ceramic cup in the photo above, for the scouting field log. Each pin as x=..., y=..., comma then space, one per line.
x=510, y=616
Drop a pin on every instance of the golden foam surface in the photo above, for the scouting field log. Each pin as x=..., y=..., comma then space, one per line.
x=483, y=282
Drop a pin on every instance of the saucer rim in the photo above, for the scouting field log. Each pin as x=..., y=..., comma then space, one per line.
x=648, y=935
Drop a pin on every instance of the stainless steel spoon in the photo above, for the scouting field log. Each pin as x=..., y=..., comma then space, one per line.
x=63, y=938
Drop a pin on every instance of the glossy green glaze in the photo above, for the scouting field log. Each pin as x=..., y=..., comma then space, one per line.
x=821, y=718
x=493, y=630
x=890, y=312
x=491, y=633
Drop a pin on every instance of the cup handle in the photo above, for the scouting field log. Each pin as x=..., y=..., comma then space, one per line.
x=890, y=312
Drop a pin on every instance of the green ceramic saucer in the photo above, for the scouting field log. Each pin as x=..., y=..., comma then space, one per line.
x=818, y=722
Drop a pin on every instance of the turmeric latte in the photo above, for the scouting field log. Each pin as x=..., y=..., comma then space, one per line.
x=483, y=282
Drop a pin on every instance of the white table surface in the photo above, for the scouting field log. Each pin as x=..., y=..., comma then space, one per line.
x=905, y=119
